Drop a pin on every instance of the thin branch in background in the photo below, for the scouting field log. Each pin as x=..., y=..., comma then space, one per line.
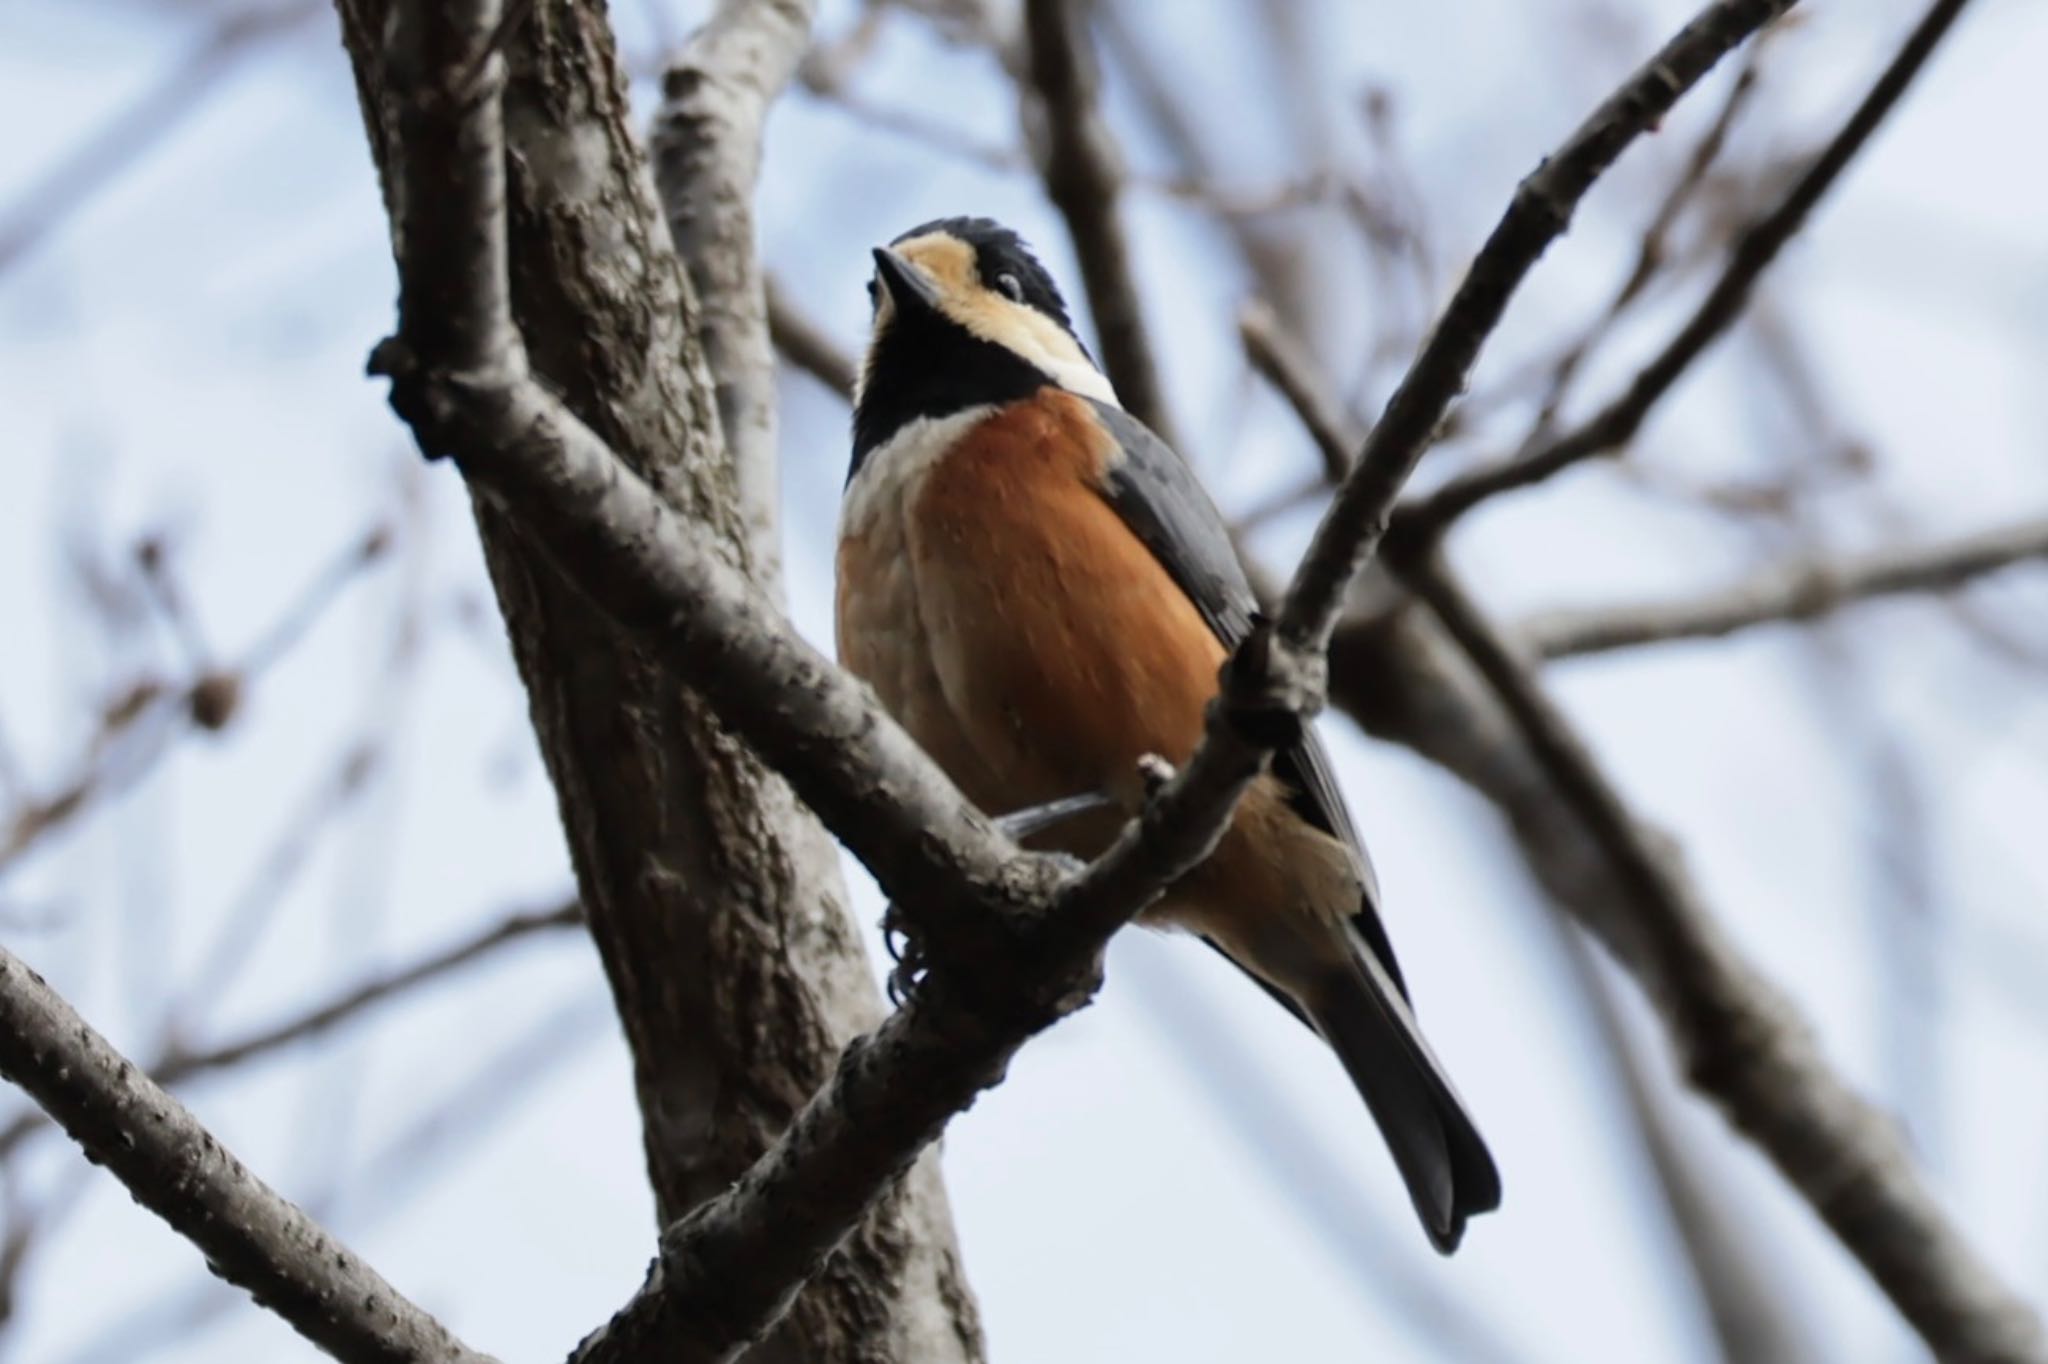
x=255, y=906
x=807, y=345
x=933, y=134
x=178, y=1064
x=1731, y=1265
x=1653, y=251
x=250, y=1234
x=30, y=1226
x=1790, y=593
x=153, y=558
x=1084, y=178
x=1741, y=1042
x=141, y=126
x=1539, y=213
x=1755, y=249
x=137, y=728
x=312, y=602
x=1282, y=361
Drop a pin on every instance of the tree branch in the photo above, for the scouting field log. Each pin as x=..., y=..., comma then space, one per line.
x=1539, y=213
x=1030, y=953
x=177, y=1065
x=251, y=1235
x=1616, y=424
x=807, y=345
x=1741, y=1042
x=706, y=148
x=1789, y=592
x=1084, y=177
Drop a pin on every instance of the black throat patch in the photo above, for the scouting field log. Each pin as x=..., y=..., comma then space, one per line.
x=926, y=365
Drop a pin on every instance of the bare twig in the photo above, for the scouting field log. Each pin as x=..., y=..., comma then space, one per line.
x=1616, y=424
x=1792, y=592
x=1280, y=359
x=1085, y=179
x=1541, y=210
x=250, y=1235
x=210, y=701
x=1655, y=246
x=806, y=345
x=140, y=126
x=178, y=1065
x=1741, y=1042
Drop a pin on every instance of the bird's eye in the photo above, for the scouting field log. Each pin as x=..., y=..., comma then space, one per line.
x=1010, y=287
x=874, y=293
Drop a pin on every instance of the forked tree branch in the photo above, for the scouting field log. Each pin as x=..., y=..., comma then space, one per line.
x=1615, y=425
x=251, y=1235
x=1031, y=954
x=1792, y=592
x=1741, y=1042
x=1539, y=213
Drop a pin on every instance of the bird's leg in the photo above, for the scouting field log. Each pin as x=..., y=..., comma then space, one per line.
x=1019, y=825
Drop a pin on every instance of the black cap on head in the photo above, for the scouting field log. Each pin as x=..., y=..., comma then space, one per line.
x=998, y=251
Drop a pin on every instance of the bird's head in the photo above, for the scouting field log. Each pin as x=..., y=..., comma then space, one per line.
x=964, y=315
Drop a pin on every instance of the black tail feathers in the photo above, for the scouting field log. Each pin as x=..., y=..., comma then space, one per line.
x=1439, y=1152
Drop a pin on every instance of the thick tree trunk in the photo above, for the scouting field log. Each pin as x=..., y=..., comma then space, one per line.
x=715, y=900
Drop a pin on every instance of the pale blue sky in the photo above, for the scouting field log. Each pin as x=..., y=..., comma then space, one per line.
x=188, y=353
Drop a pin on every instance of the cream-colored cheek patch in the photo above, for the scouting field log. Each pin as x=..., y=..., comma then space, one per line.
x=950, y=264
x=948, y=260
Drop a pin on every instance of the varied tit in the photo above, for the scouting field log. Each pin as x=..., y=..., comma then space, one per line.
x=1041, y=593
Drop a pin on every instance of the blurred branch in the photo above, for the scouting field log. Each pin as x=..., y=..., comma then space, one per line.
x=1284, y=363
x=807, y=345
x=1654, y=248
x=1084, y=177
x=211, y=701
x=139, y=127
x=1539, y=213
x=250, y=1235
x=1742, y=1043
x=1790, y=592
x=178, y=1064
x=1755, y=1319
x=1758, y=246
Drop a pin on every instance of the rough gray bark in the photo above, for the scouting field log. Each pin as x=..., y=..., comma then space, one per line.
x=251, y=1235
x=716, y=909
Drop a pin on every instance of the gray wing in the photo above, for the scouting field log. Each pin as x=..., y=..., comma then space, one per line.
x=1158, y=497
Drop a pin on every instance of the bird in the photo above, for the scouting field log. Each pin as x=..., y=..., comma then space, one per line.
x=1042, y=594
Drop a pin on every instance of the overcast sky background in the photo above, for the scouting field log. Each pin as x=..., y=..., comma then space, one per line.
x=186, y=355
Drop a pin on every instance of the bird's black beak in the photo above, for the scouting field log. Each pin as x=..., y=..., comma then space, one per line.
x=908, y=287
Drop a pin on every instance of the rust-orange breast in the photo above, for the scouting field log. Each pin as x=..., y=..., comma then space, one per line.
x=1064, y=648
